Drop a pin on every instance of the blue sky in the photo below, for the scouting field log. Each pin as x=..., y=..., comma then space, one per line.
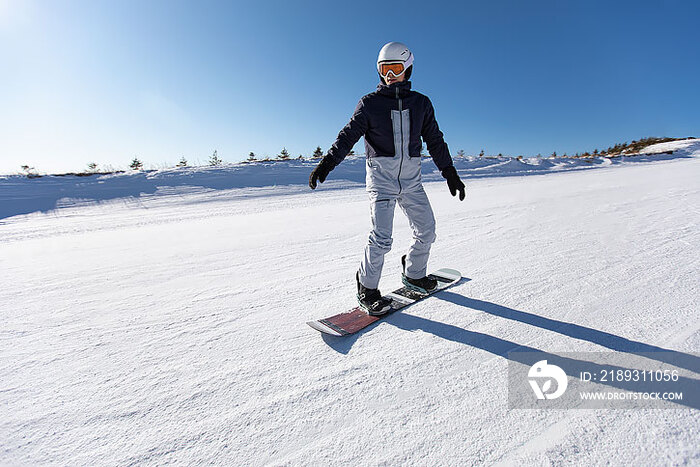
x=100, y=81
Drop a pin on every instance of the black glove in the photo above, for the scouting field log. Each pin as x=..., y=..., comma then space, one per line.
x=321, y=172
x=453, y=181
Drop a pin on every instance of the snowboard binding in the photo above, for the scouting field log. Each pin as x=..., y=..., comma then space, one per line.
x=371, y=300
x=424, y=285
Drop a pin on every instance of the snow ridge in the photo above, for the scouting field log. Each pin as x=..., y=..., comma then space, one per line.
x=20, y=195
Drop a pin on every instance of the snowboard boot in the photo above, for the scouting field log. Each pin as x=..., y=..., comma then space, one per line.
x=371, y=300
x=423, y=285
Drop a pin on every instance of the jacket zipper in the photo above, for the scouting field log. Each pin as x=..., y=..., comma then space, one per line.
x=401, y=127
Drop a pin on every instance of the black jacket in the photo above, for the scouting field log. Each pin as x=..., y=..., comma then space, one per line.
x=382, y=117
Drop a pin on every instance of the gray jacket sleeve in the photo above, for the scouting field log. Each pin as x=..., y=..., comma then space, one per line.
x=349, y=135
x=434, y=139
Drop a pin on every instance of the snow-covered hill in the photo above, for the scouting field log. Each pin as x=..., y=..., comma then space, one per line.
x=20, y=195
x=160, y=318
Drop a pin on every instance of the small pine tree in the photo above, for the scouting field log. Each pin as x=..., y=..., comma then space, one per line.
x=30, y=172
x=182, y=163
x=284, y=155
x=136, y=164
x=214, y=160
x=318, y=153
x=251, y=156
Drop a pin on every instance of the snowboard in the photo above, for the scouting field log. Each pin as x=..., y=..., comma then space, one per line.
x=357, y=319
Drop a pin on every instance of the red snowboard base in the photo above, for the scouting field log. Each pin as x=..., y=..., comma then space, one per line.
x=357, y=319
x=346, y=323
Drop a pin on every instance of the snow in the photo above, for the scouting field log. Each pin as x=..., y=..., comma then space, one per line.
x=20, y=195
x=160, y=317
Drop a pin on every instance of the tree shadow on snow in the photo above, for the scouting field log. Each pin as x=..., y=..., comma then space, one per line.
x=505, y=348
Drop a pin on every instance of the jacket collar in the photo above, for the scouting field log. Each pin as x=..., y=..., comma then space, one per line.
x=404, y=88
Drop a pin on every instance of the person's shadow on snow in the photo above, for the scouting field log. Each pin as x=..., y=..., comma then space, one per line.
x=602, y=338
x=530, y=355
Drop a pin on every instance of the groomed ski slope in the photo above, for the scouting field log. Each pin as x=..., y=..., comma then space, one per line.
x=172, y=328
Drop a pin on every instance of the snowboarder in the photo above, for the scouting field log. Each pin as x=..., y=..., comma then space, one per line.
x=393, y=119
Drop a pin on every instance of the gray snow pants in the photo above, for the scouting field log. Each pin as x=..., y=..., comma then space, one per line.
x=416, y=206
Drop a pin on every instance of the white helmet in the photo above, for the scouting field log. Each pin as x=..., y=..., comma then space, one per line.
x=395, y=52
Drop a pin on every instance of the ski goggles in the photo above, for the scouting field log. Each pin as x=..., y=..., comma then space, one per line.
x=395, y=68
